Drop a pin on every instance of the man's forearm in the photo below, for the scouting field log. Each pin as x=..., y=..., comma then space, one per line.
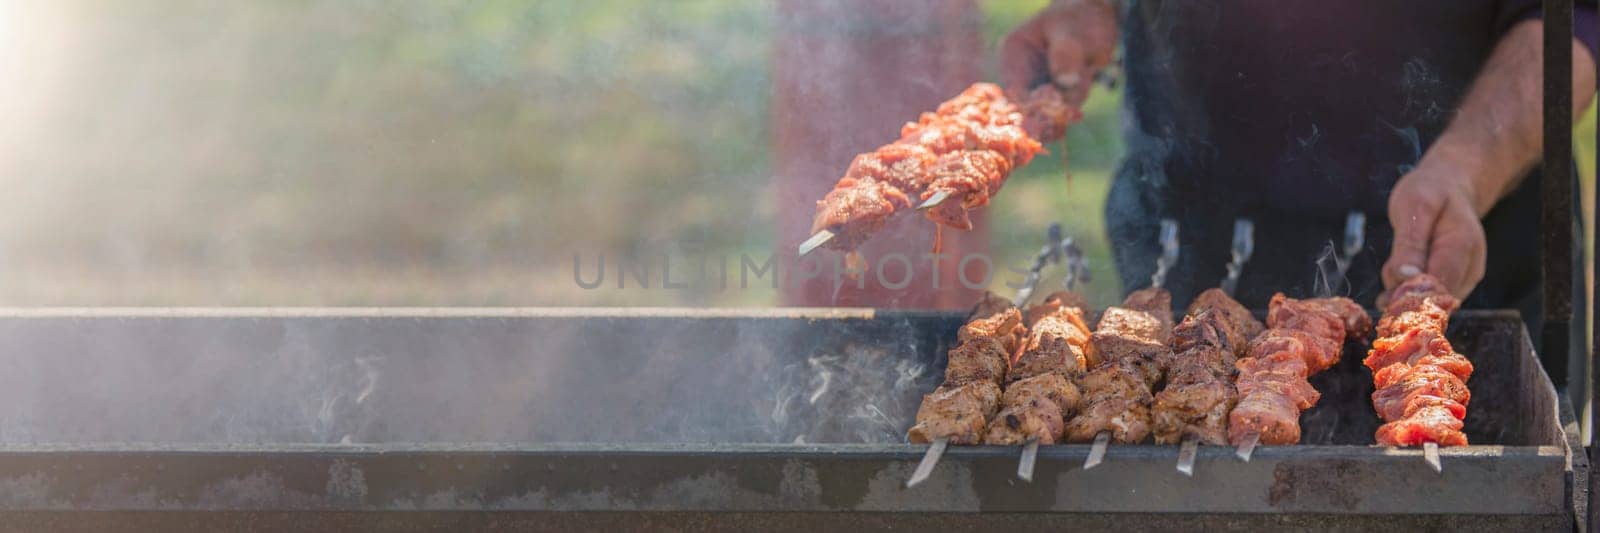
x=1497, y=134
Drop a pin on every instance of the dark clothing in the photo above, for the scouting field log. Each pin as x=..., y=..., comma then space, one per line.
x=1293, y=113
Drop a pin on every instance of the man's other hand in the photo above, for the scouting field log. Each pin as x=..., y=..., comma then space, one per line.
x=1066, y=44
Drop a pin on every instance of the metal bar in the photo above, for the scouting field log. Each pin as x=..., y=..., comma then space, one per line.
x=930, y=459
x=1556, y=183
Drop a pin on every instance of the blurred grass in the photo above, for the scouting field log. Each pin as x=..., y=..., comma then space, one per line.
x=408, y=152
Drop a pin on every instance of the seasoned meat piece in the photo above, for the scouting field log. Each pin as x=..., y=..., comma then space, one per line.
x=1429, y=424
x=1155, y=301
x=1417, y=289
x=992, y=304
x=1272, y=416
x=1150, y=357
x=971, y=175
x=1122, y=380
x=1240, y=319
x=1197, y=409
x=1200, y=362
x=1357, y=323
x=957, y=413
x=1391, y=401
x=1318, y=353
x=1003, y=325
x=1046, y=113
x=1280, y=362
x=856, y=211
x=1017, y=424
x=1059, y=342
x=976, y=359
x=1429, y=317
x=1052, y=387
x=1289, y=313
x=1291, y=387
x=1053, y=303
x=1128, y=420
x=1407, y=348
x=1208, y=328
x=1132, y=323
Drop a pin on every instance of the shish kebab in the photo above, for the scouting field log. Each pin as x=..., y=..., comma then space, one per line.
x=1304, y=337
x=1041, y=391
x=1421, y=380
x=963, y=150
x=959, y=409
x=1199, y=394
x=1131, y=340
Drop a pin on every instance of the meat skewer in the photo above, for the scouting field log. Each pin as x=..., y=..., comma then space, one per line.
x=1276, y=381
x=976, y=368
x=1041, y=394
x=1199, y=392
x=1132, y=341
x=965, y=149
x=1422, y=394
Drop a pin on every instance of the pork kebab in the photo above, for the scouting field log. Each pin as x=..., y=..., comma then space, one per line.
x=1131, y=341
x=1193, y=407
x=959, y=410
x=1305, y=337
x=948, y=162
x=1421, y=380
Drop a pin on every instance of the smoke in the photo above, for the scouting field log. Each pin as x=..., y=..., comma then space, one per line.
x=1331, y=268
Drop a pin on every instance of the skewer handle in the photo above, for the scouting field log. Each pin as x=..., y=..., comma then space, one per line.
x=929, y=460
x=1050, y=253
x=1355, y=233
x=1169, y=252
x=1244, y=245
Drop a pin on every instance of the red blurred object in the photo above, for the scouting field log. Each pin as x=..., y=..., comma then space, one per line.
x=847, y=75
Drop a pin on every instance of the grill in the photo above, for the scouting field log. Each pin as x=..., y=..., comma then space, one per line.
x=654, y=418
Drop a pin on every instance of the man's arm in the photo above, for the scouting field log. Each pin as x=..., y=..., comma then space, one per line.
x=1495, y=138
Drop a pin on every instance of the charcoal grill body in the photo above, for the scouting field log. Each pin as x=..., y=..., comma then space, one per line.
x=664, y=417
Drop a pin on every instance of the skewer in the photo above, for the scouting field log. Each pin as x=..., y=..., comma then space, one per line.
x=1169, y=257
x=817, y=240
x=1191, y=447
x=934, y=201
x=1077, y=268
x=1097, y=454
x=1050, y=253
x=929, y=460
x=1030, y=455
x=1430, y=453
x=1355, y=229
x=1248, y=447
x=1244, y=245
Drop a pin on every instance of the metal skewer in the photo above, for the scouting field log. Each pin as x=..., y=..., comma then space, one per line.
x=1050, y=253
x=817, y=240
x=1030, y=455
x=1191, y=447
x=933, y=201
x=930, y=459
x=1169, y=257
x=1077, y=269
x=1430, y=453
x=1355, y=238
x=1244, y=244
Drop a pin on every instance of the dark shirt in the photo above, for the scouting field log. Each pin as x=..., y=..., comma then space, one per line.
x=1293, y=113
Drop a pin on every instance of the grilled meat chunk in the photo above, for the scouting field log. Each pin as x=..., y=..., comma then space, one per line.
x=976, y=359
x=956, y=412
x=1035, y=419
x=1197, y=410
x=1242, y=322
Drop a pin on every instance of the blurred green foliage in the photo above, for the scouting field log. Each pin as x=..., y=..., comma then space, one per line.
x=410, y=152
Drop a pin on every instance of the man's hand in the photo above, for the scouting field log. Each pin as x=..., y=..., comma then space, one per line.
x=1494, y=139
x=1066, y=43
x=1437, y=228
